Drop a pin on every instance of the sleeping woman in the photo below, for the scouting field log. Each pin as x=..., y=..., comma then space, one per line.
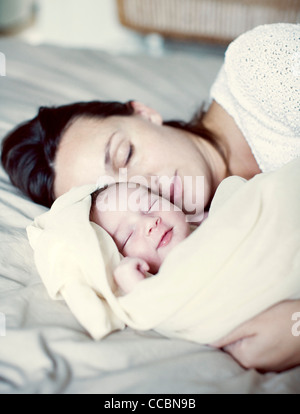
x=252, y=125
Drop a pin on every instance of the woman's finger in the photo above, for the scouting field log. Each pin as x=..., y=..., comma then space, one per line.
x=241, y=332
x=245, y=351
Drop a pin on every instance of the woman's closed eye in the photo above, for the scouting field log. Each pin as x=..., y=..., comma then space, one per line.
x=124, y=154
x=130, y=154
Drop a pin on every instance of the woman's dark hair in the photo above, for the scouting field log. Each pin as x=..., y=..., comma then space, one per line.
x=28, y=152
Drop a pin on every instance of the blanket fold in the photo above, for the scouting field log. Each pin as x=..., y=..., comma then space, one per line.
x=243, y=259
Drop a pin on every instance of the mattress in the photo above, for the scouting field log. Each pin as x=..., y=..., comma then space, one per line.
x=43, y=349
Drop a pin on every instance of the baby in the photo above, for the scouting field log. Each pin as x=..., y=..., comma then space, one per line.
x=144, y=226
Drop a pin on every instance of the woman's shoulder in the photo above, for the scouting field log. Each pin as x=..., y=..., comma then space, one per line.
x=258, y=86
x=262, y=70
x=263, y=62
x=266, y=53
x=270, y=35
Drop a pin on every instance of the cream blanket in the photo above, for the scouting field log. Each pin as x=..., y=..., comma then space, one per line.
x=243, y=259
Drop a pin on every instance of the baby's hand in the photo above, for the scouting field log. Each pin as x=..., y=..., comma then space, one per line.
x=130, y=272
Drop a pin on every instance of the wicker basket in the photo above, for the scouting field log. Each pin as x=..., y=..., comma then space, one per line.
x=211, y=20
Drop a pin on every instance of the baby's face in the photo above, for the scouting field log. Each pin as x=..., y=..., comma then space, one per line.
x=142, y=224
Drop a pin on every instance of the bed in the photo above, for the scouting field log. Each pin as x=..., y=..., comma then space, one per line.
x=43, y=349
x=218, y=21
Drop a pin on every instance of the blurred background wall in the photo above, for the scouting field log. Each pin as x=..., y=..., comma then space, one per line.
x=96, y=23
x=72, y=23
x=14, y=12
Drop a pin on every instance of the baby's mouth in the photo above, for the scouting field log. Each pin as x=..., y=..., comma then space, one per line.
x=166, y=238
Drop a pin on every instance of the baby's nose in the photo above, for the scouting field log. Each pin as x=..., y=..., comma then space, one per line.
x=153, y=223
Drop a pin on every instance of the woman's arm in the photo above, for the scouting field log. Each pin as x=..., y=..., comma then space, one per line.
x=268, y=342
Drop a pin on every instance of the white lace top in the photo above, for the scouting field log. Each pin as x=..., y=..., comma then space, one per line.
x=259, y=86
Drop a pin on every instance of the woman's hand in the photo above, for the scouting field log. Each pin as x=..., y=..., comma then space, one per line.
x=268, y=342
x=130, y=272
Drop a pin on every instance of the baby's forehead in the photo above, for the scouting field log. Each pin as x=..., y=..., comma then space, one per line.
x=124, y=197
x=126, y=189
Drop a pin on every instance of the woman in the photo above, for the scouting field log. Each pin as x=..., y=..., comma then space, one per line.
x=251, y=126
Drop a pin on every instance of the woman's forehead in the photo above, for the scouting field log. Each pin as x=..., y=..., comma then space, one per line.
x=78, y=157
x=75, y=132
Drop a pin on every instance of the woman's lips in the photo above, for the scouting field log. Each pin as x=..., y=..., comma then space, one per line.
x=166, y=238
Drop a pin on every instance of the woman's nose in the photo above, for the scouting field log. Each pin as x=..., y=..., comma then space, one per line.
x=152, y=224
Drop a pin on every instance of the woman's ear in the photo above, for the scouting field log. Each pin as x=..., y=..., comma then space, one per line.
x=147, y=113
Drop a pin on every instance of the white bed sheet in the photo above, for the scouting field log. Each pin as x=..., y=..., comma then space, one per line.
x=44, y=349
